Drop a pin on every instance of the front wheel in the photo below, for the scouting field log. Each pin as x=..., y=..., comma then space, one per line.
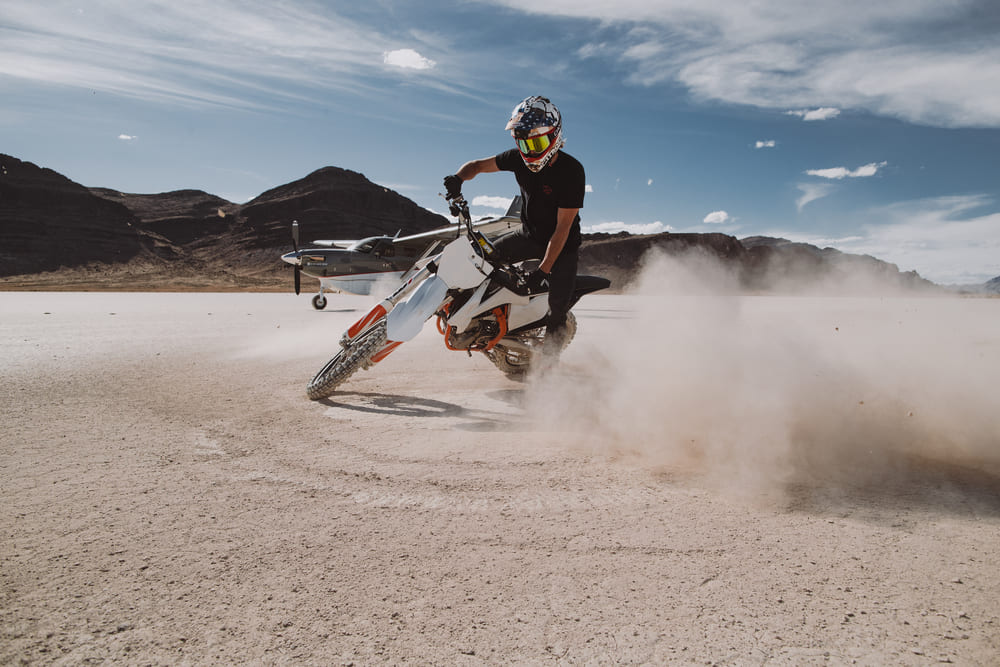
x=355, y=355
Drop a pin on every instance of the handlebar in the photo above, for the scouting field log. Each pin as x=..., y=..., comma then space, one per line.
x=512, y=277
x=460, y=209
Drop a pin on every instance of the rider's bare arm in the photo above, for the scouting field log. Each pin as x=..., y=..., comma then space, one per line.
x=564, y=223
x=472, y=168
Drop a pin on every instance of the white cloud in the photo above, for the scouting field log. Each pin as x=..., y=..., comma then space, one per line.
x=127, y=137
x=407, y=59
x=838, y=173
x=812, y=192
x=717, y=218
x=633, y=228
x=890, y=57
x=767, y=143
x=492, y=202
x=823, y=113
x=589, y=188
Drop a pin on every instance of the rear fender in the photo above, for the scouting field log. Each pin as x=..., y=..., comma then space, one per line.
x=588, y=284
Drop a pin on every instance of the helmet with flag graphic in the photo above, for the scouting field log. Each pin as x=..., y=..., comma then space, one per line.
x=536, y=126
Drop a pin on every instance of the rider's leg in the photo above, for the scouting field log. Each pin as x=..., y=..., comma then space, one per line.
x=562, y=282
x=517, y=246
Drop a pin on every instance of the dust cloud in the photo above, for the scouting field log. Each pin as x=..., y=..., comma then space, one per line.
x=764, y=394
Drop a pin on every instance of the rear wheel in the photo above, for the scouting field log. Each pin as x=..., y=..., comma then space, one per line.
x=515, y=362
x=355, y=355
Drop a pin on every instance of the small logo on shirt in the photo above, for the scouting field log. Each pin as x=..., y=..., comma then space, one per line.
x=547, y=189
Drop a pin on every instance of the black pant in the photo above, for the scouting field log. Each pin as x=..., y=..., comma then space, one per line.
x=517, y=247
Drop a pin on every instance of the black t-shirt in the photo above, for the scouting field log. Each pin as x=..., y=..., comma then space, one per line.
x=559, y=184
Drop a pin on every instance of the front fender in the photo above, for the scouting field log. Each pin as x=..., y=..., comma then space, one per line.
x=405, y=321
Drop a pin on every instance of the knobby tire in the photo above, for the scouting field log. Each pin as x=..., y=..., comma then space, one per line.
x=346, y=362
x=516, y=364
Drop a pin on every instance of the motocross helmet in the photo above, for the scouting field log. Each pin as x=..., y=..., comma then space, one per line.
x=536, y=126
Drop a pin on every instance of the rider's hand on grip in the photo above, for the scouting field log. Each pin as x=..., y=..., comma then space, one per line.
x=538, y=281
x=453, y=186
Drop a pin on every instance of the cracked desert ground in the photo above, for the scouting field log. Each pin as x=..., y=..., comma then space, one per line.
x=703, y=480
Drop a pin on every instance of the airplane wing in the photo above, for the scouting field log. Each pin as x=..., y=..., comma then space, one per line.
x=491, y=227
x=335, y=244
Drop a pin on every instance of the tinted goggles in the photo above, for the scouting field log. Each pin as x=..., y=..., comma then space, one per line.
x=534, y=145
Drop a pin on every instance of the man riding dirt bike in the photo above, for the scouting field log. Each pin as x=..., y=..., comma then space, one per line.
x=552, y=186
x=482, y=304
x=483, y=301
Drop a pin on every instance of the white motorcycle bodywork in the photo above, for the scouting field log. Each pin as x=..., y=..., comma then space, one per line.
x=481, y=307
x=459, y=267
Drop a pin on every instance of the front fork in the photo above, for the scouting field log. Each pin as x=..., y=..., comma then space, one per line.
x=385, y=306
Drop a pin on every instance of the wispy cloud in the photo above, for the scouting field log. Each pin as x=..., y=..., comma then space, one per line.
x=838, y=173
x=767, y=143
x=717, y=218
x=228, y=53
x=811, y=192
x=823, y=113
x=127, y=137
x=890, y=57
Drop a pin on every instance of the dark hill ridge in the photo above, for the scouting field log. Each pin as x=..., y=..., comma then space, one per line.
x=182, y=216
x=776, y=261
x=47, y=221
x=757, y=264
x=189, y=239
x=337, y=202
x=990, y=288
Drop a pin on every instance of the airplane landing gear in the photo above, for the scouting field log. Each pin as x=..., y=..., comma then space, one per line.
x=319, y=301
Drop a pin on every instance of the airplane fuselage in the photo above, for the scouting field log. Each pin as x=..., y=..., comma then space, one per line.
x=357, y=266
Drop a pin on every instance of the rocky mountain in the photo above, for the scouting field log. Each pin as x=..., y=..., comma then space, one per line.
x=47, y=221
x=182, y=217
x=101, y=238
x=340, y=203
x=990, y=288
x=752, y=264
x=57, y=234
x=804, y=267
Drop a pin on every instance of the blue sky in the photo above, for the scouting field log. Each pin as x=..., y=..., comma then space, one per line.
x=870, y=127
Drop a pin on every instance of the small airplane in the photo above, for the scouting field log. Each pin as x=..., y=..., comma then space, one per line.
x=355, y=266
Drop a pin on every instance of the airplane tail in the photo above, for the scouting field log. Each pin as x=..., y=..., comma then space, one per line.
x=514, y=210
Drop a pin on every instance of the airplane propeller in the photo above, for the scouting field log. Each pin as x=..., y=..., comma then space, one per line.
x=295, y=245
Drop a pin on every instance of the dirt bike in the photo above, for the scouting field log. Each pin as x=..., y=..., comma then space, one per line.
x=482, y=304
